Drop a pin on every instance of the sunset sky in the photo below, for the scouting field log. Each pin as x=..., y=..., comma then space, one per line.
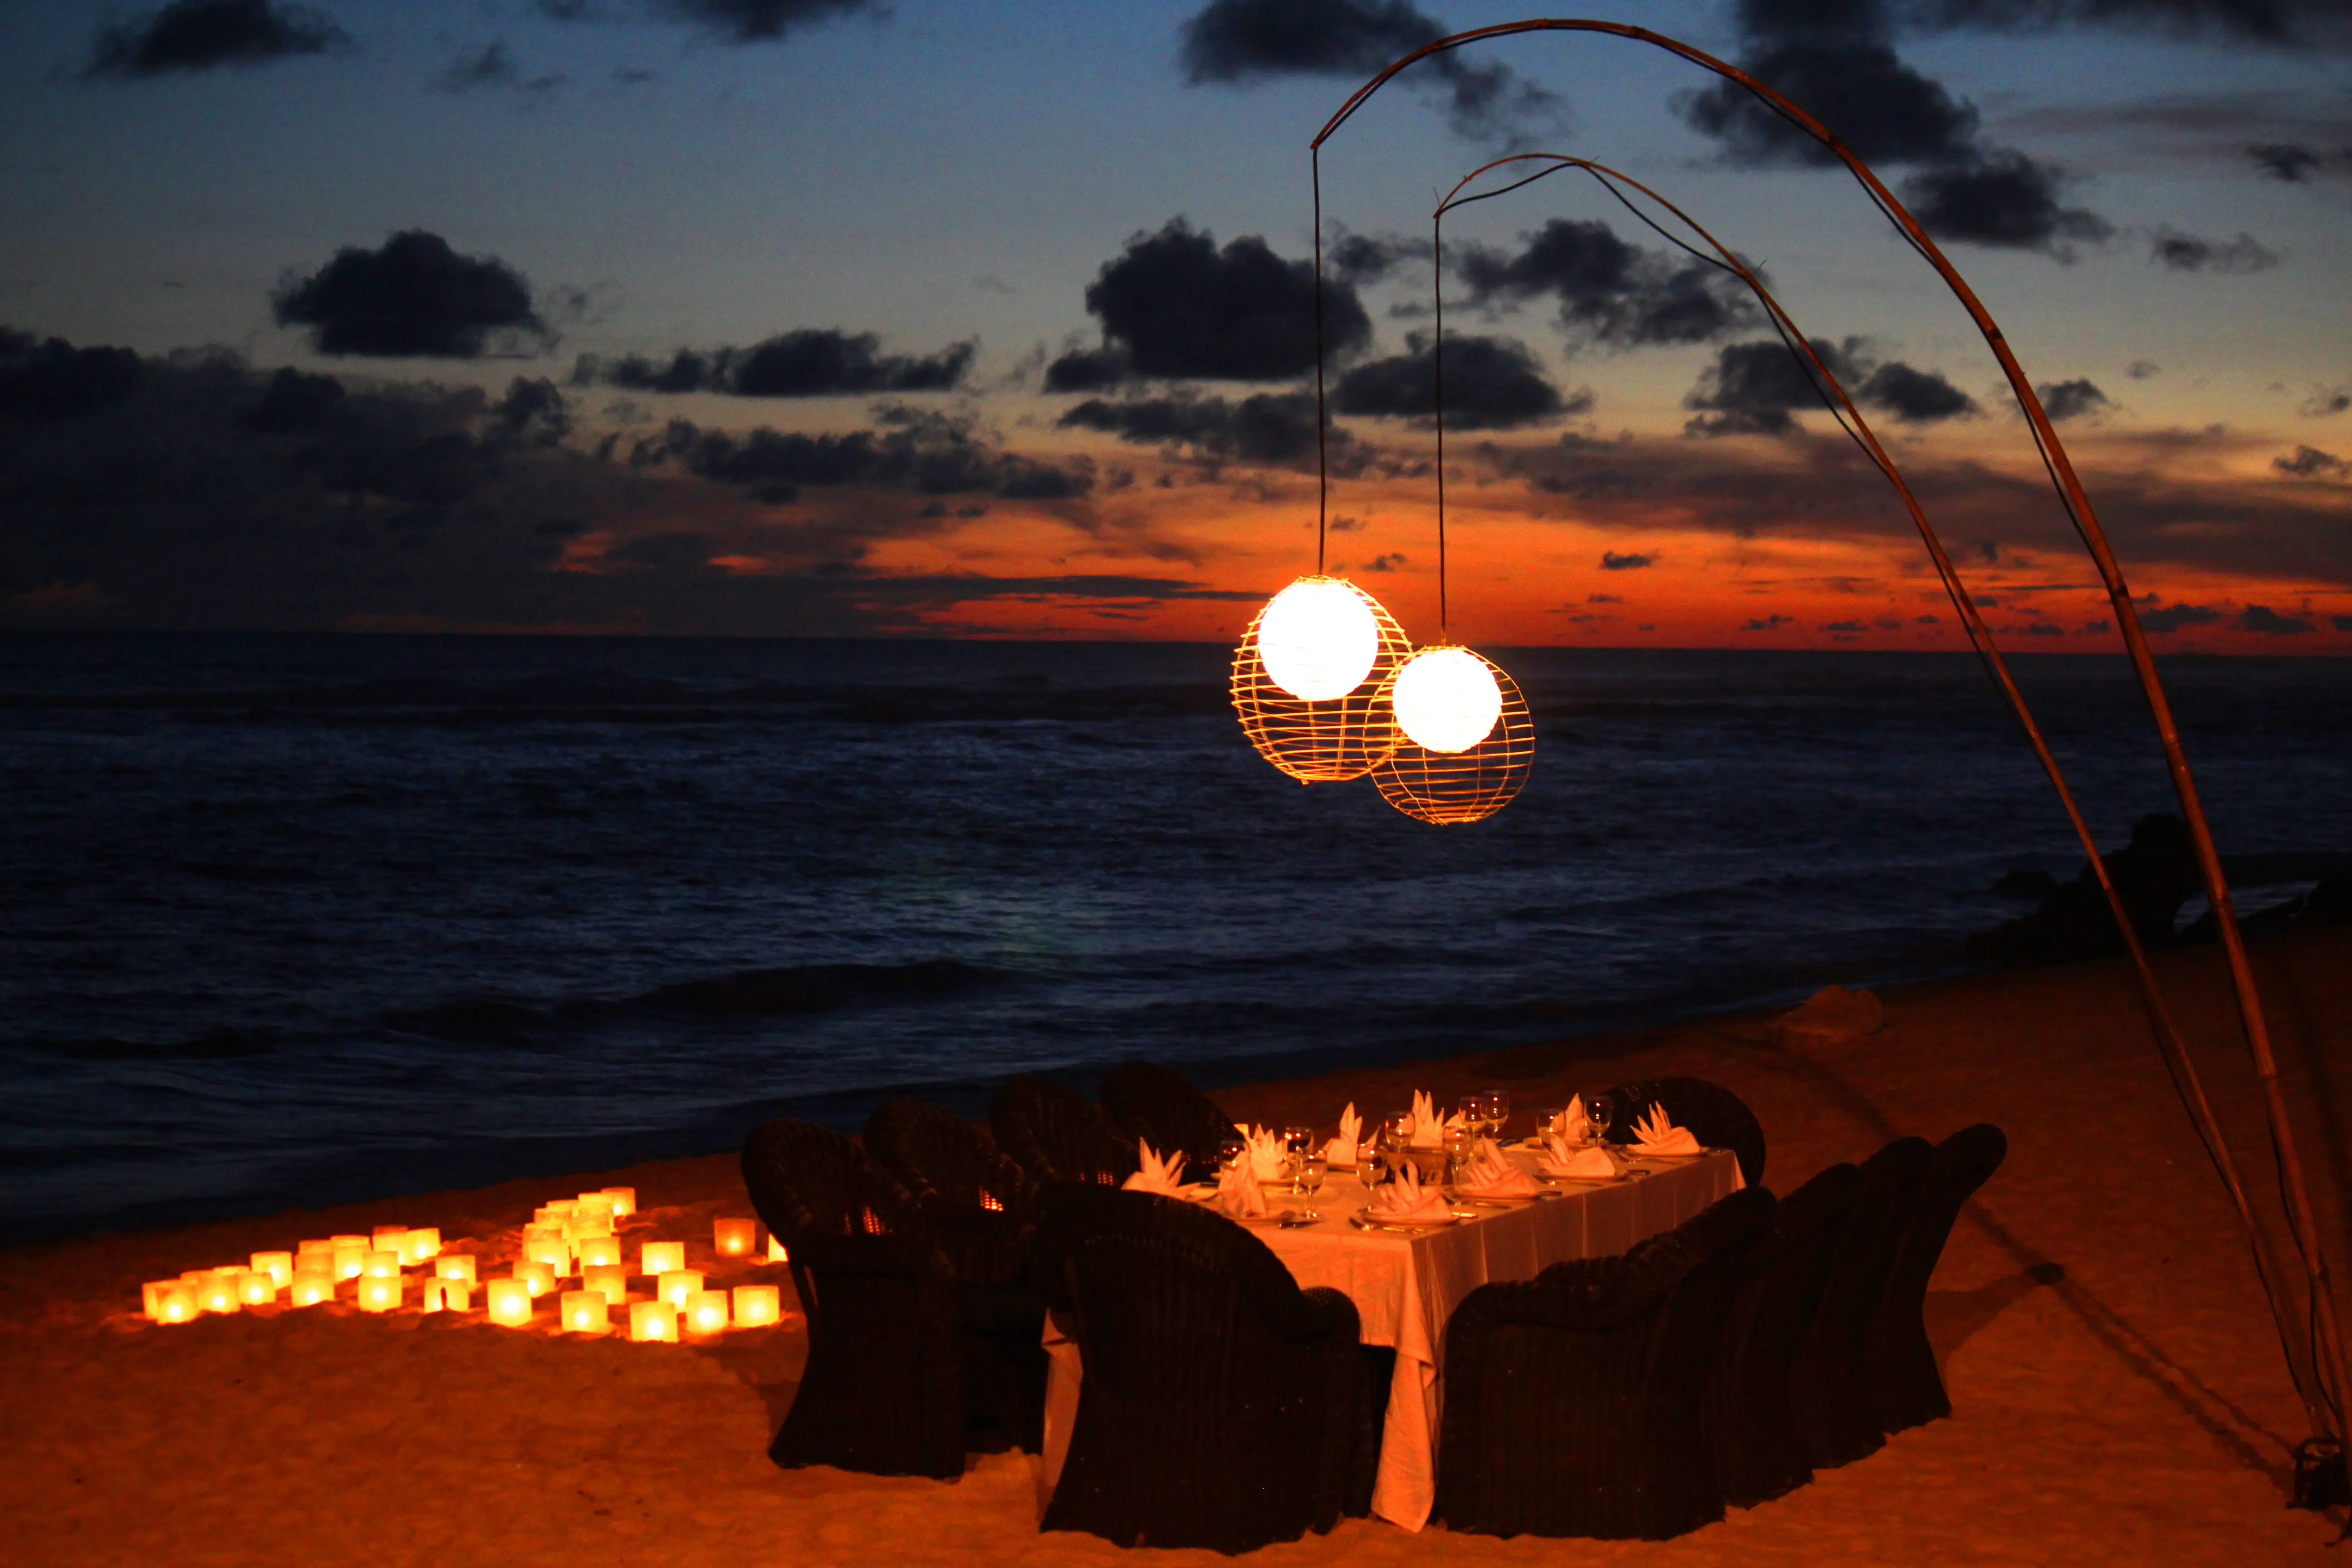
x=838, y=318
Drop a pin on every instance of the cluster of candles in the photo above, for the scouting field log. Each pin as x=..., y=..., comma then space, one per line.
x=573, y=1238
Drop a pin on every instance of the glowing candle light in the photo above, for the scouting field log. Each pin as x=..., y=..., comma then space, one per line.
x=455, y=1266
x=653, y=1322
x=350, y=1262
x=733, y=1238
x=624, y=1200
x=757, y=1306
x=536, y=1278
x=706, y=1312
x=776, y=1253
x=381, y=1266
x=677, y=1284
x=311, y=1286
x=151, y=1297
x=176, y=1302
x=388, y=1238
x=600, y=1251
x=554, y=1255
x=611, y=1278
x=661, y=1257
x=421, y=1246
x=362, y=1242
x=587, y=1312
x=255, y=1287
x=218, y=1293
x=509, y=1302
x=278, y=1265
x=448, y=1295
x=315, y=1258
x=381, y=1292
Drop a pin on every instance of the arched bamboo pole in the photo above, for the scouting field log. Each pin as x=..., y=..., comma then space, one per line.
x=2322, y=1403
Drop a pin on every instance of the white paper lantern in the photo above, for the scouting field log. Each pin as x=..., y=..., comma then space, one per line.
x=1446, y=699
x=1472, y=784
x=1308, y=639
x=1318, y=638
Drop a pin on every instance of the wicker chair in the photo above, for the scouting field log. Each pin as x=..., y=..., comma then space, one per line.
x=1572, y=1400
x=1717, y=1117
x=1055, y=1136
x=975, y=1205
x=1222, y=1403
x=1905, y=1389
x=1146, y=1100
x=884, y=1388
x=1751, y=1427
x=1830, y=1387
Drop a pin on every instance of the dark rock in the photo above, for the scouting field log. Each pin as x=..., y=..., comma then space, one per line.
x=2328, y=904
x=2026, y=885
x=2153, y=875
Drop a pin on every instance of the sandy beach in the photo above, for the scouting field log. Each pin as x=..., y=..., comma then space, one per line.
x=2117, y=1387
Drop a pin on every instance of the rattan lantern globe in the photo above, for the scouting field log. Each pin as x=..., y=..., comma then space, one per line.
x=1462, y=780
x=1288, y=674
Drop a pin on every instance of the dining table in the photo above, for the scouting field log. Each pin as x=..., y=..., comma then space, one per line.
x=1406, y=1280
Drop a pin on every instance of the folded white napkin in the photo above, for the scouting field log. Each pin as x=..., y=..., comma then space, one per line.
x=1489, y=1175
x=1658, y=1135
x=1238, y=1194
x=1563, y=1158
x=1165, y=1177
x=1268, y=1161
x=1428, y=1129
x=1572, y=1123
x=1406, y=1199
x=1340, y=1152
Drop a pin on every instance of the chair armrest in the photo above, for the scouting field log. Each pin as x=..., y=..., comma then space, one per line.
x=1313, y=1314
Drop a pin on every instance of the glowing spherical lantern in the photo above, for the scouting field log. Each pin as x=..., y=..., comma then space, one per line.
x=1439, y=784
x=1309, y=680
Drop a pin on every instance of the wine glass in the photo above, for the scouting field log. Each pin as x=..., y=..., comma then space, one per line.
x=1498, y=1111
x=1309, y=1172
x=1597, y=1113
x=1474, y=1109
x=1296, y=1142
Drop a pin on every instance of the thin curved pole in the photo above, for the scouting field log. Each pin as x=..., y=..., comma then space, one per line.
x=1850, y=418
x=2329, y=1349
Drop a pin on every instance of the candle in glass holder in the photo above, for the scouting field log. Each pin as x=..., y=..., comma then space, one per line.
x=653, y=1322
x=278, y=1265
x=448, y=1295
x=350, y=1262
x=706, y=1312
x=587, y=1312
x=776, y=1253
x=311, y=1286
x=455, y=1266
x=661, y=1257
x=509, y=1302
x=757, y=1306
x=218, y=1293
x=255, y=1287
x=421, y=1246
x=382, y=1264
x=175, y=1302
x=380, y=1292
x=599, y=1251
x=624, y=1200
x=388, y=1238
x=612, y=1279
x=733, y=1238
x=536, y=1278
x=677, y=1284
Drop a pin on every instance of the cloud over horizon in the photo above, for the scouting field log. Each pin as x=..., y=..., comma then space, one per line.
x=191, y=35
x=412, y=298
x=809, y=362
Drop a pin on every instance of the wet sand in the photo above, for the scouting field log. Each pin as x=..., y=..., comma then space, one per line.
x=2118, y=1386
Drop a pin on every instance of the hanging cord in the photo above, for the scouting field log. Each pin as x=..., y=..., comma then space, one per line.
x=1833, y=396
x=1322, y=456
x=1437, y=394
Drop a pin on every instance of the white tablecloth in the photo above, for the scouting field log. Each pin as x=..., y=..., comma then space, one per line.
x=1406, y=1286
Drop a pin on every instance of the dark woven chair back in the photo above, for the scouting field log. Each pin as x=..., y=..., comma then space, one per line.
x=1146, y=1100
x=1831, y=1391
x=1572, y=1402
x=1752, y=1426
x=1056, y=1136
x=883, y=1390
x=1219, y=1398
x=1904, y=1386
x=1716, y=1117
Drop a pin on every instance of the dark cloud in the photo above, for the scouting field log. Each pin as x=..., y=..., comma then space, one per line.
x=2326, y=400
x=1754, y=389
x=2188, y=253
x=1173, y=306
x=2265, y=21
x=295, y=401
x=2341, y=622
x=2179, y=618
x=1612, y=561
x=1369, y=258
x=492, y=67
x=757, y=21
x=2310, y=463
x=1269, y=427
x=1883, y=108
x=1248, y=40
x=1914, y=396
x=189, y=36
x=412, y=298
x=2288, y=160
x=809, y=362
x=53, y=382
x=917, y=450
x=2004, y=199
x=1768, y=624
x=2143, y=369
x=2064, y=400
x=1609, y=291
x=2269, y=622
x=1491, y=384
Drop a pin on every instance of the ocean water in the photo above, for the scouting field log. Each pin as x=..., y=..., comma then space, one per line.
x=305, y=919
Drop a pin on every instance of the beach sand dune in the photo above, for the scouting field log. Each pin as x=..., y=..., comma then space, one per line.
x=2117, y=1381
